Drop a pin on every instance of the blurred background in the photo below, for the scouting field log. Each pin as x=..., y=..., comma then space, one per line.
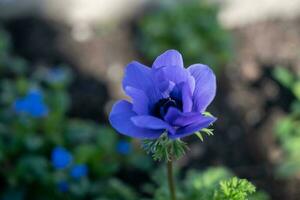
x=61, y=65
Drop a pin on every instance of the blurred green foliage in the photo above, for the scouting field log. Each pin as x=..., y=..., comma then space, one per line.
x=26, y=144
x=189, y=26
x=215, y=183
x=288, y=128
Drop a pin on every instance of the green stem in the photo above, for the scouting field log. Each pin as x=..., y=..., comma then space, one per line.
x=171, y=180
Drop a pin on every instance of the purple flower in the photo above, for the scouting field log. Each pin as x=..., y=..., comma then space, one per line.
x=61, y=158
x=32, y=104
x=123, y=147
x=165, y=98
x=79, y=171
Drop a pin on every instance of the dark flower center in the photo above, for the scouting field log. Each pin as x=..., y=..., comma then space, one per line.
x=161, y=107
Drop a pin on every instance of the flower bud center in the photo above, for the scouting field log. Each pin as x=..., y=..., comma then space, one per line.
x=162, y=106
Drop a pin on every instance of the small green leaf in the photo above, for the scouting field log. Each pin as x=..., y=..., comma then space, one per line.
x=208, y=114
x=165, y=148
x=284, y=76
x=234, y=189
x=296, y=89
x=208, y=131
x=199, y=136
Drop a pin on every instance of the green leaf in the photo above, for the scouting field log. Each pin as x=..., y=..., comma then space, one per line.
x=207, y=131
x=208, y=114
x=296, y=90
x=199, y=136
x=234, y=189
x=34, y=142
x=164, y=148
x=33, y=167
x=284, y=76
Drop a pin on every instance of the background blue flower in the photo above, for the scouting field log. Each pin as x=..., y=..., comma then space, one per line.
x=123, y=147
x=61, y=158
x=79, y=171
x=32, y=104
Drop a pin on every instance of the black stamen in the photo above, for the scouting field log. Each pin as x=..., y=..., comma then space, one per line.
x=161, y=107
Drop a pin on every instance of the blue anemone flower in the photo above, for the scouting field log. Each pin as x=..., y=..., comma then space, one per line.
x=123, y=147
x=79, y=171
x=61, y=158
x=32, y=104
x=166, y=98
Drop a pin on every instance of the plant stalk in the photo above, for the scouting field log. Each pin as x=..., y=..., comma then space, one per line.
x=171, y=180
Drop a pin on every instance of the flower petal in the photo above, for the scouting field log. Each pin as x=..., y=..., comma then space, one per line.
x=204, y=122
x=147, y=121
x=182, y=93
x=174, y=74
x=139, y=76
x=166, y=87
x=120, y=119
x=168, y=58
x=176, y=82
x=177, y=118
x=187, y=98
x=140, y=100
x=205, y=89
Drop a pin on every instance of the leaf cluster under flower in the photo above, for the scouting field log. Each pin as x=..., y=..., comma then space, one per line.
x=164, y=148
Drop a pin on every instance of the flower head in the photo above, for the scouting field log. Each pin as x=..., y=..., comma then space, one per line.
x=79, y=171
x=166, y=98
x=123, y=147
x=32, y=104
x=61, y=158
